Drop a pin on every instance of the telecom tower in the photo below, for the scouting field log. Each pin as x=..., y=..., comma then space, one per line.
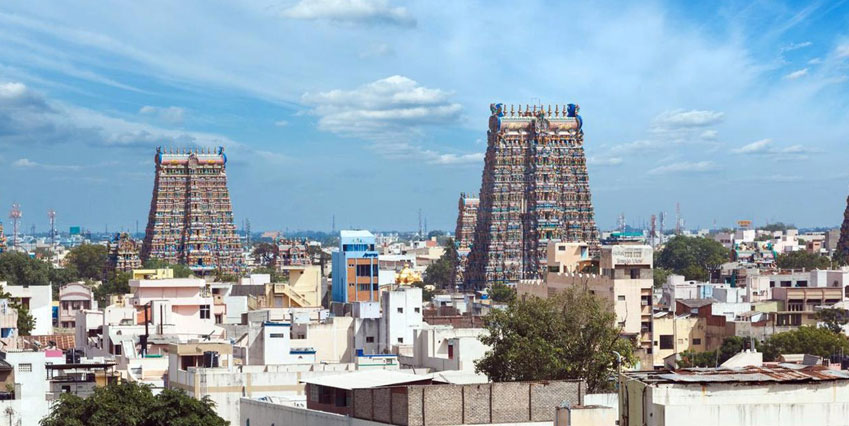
x=653, y=232
x=621, y=222
x=15, y=216
x=677, y=218
x=51, y=215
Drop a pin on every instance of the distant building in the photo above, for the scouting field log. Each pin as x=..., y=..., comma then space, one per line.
x=39, y=300
x=355, y=268
x=292, y=253
x=534, y=190
x=73, y=298
x=123, y=254
x=191, y=219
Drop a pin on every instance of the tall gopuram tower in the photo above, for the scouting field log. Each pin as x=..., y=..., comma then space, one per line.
x=464, y=234
x=191, y=219
x=2, y=238
x=535, y=189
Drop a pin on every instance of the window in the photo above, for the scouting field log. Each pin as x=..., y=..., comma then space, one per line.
x=369, y=339
x=341, y=398
x=666, y=341
x=25, y=368
x=400, y=310
x=363, y=270
x=561, y=248
x=802, y=283
x=325, y=394
x=635, y=273
x=204, y=312
x=697, y=341
x=621, y=298
x=418, y=310
x=400, y=340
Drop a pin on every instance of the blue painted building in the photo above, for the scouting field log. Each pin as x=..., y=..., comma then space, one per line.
x=355, y=269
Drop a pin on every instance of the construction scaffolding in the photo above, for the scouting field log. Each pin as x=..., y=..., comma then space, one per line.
x=191, y=219
x=123, y=254
x=534, y=189
x=464, y=234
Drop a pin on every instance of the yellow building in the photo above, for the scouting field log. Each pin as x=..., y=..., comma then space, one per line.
x=675, y=334
x=153, y=274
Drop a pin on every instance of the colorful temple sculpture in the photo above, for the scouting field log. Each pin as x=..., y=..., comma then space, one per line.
x=292, y=253
x=843, y=242
x=2, y=239
x=534, y=189
x=464, y=234
x=123, y=254
x=191, y=219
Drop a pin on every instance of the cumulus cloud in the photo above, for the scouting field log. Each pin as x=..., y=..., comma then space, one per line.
x=351, y=11
x=797, y=74
x=171, y=114
x=391, y=113
x=678, y=119
x=766, y=147
x=684, y=167
x=25, y=163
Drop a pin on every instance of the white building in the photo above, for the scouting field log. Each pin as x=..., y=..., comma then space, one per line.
x=39, y=300
x=782, y=395
x=442, y=348
x=402, y=315
x=27, y=376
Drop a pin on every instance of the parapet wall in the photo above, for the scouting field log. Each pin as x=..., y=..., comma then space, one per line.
x=513, y=402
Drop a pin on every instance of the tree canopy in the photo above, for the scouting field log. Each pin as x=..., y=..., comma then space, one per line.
x=89, y=261
x=819, y=341
x=801, y=259
x=132, y=404
x=441, y=273
x=693, y=257
x=731, y=346
x=265, y=254
x=17, y=268
x=571, y=335
x=502, y=293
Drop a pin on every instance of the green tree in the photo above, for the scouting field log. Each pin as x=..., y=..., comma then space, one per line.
x=806, y=340
x=690, y=359
x=427, y=295
x=132, y=404
x=801, y=259
x=660, y=276
x=89, y=260
x=118, y=283
x=833, y=318
x=502, y=293
x=276, y=276
x=693, y=257
x=777, y=226
x=441, y=273
x=26, y=322
x=571, y=335
x=180, y=270
x=17, y=268
x=731, y=346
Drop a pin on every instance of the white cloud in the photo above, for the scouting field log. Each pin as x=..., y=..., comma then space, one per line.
x=351, y=11
x=684, y=167
x=604, y=161
x=796, y=46
x=171, y=114
x=25, y=163
x=766, y=147
x=709, y=135
x=843, y=51
x=815, y=61
x=281, y=123
x=677, y=119
x=796, y=74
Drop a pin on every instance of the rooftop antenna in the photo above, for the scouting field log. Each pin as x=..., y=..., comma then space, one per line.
x=333, y=224
x=15, y=215
x=653, y=231
x=247, y=232
x=621, y=222
x=677, y=218
x=420, y=223
x=662, y=222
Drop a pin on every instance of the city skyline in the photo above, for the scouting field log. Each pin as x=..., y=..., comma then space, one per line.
x=728, y=109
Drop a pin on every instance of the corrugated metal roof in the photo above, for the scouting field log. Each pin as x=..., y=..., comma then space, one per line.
x=779, y=373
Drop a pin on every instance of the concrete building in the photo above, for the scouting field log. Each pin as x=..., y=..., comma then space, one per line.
x=355, y=268
x=182, y=302
x=25, y=373
x=626, y=281
x=39, y=300
x=401, y=316
x=780, y=395
x=674, y=334
x=73, y=298
x=445, y=348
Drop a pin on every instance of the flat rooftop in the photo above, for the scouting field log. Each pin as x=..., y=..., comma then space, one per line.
x=365, y=379
x=778, y=373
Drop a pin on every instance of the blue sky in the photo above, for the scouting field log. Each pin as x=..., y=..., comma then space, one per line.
x=372, y=109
